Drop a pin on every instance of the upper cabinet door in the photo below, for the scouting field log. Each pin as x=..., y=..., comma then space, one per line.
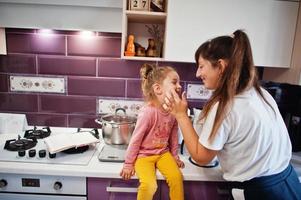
x=2, y=42
x=270, y=25
x=92, y=15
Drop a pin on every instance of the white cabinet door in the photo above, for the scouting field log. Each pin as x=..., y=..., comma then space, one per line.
x=270, y=25
x=2, y=42
x=81, y=15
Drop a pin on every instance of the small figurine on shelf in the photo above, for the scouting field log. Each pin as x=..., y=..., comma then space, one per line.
x=130, y=47
x=140, y=50
x=151, y=49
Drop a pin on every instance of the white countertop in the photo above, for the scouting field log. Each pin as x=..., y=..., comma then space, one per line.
x=95, y=168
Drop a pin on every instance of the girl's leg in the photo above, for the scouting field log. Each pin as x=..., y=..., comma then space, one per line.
x=146, y=172
x=170, y=170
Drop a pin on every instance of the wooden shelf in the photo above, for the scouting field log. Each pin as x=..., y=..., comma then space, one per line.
x=142, y=58
x=146, y=17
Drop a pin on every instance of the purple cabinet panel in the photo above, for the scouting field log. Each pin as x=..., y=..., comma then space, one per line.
x=67, y=65
x=68, y=104
x=35, y=43
x=37, y=119
x=98, y=189
x=96, y=86
x=83, y=121
x=14, y=63
x=3, y=83
x=196, y=190
x=18, y=102
x=94, y=46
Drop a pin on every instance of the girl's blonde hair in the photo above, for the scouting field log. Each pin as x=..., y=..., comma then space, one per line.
x=151, y=74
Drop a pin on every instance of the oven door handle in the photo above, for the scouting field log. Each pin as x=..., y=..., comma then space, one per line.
x=122, y=189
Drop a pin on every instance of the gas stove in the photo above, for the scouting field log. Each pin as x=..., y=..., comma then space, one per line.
x=29, y=146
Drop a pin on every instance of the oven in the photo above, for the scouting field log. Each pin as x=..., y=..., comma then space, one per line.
x=42, y=187
x=30, y=147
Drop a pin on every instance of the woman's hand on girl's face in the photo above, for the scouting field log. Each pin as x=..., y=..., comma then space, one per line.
x=174, y=104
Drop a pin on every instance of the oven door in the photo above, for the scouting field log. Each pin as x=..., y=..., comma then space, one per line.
x=12, y=196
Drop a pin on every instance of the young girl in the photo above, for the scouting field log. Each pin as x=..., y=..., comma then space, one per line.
x=154, y=143
x=241, y=123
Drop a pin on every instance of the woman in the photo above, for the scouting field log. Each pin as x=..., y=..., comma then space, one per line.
x=240, y=123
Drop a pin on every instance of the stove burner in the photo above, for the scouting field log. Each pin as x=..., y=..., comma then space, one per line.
x=37, y=133
x=20, y=144
x=76, y=150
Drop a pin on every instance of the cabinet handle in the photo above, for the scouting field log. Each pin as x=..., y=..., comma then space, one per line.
x=122, y=189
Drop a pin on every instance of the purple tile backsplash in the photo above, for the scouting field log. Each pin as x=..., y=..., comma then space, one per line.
x=67, y=65
x=18, y=64
x=96, y=86
x=18, y=102
x=94, y=46
x=93, y=69
x=68, y=104
x=35, y=43
x=3, y=83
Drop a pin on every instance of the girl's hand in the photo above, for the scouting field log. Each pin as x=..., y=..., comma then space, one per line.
x=180, y=163
x=127, y=173
x=174, y=104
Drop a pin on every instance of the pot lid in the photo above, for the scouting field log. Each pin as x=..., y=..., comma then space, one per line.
x=119, y=118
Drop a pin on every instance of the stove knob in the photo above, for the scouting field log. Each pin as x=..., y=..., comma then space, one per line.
x=21, y=153
x=52, y=155
x=3, y=183
x=32, y=153
x=57, y=185
x=42, y=153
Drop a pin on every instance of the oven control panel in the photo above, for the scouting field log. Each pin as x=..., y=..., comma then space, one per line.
x=42, y=184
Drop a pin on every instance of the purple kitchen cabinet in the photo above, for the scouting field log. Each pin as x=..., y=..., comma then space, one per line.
x=114, y=189
x=196, y=190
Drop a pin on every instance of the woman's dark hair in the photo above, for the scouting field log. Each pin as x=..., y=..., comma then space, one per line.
x=239, y=75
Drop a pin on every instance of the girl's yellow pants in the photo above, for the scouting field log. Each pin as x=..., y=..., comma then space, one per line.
x=145, y=168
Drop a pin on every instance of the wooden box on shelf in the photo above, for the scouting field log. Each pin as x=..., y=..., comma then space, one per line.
x=142, y=5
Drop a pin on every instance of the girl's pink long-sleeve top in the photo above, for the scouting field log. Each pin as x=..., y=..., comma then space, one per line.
x=156, y=132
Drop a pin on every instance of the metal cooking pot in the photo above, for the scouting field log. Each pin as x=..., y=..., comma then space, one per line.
x=117, y=128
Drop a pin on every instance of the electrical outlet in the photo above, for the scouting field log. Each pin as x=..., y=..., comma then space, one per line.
x=197, y=91
x=37, y=84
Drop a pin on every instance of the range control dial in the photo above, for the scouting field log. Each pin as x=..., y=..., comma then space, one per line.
x=42, y=153
x=57, y=185
x=32, y=153
x=3, y=183
x=21, y=153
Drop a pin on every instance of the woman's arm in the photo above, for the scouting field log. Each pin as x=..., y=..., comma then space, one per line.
x=178, y=107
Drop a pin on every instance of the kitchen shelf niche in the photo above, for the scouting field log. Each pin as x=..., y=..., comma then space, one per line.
x=137, y=23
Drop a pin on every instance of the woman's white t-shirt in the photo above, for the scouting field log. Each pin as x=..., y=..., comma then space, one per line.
x=252, y=141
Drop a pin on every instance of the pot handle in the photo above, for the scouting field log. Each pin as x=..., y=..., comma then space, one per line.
x=117, y=109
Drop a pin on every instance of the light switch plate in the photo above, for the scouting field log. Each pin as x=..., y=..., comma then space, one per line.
x=37, y=84
x=132, y=107
x=197, y=91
